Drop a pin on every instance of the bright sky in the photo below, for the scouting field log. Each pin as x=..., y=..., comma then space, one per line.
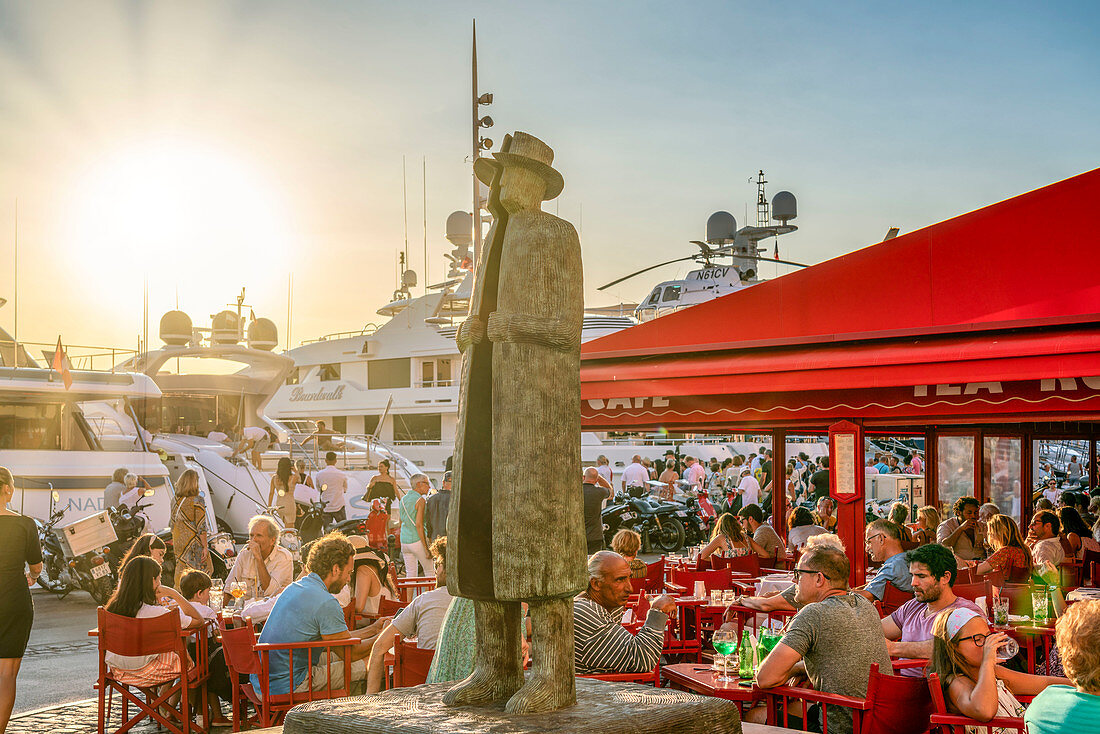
x=208, y=146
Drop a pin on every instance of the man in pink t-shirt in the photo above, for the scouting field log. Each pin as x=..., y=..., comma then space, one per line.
x=909, y=629
x=695, y=473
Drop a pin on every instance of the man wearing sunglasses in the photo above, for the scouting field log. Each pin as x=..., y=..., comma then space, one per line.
x=833, y=641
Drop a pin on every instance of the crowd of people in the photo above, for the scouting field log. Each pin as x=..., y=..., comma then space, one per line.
x=341, y=573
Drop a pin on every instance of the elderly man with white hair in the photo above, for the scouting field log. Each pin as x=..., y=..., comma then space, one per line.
x=602, y=644
x=263, y=564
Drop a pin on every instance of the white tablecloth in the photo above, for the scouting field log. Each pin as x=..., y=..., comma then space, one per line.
x=774, y=584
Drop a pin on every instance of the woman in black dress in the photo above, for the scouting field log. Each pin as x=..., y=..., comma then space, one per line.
x=18, y=546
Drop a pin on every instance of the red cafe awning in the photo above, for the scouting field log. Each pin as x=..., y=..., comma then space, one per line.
x=963, y=302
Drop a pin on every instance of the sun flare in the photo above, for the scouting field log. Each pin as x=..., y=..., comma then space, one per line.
x=178, y=212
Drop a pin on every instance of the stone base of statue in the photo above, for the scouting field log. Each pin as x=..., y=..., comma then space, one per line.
x=606, y=708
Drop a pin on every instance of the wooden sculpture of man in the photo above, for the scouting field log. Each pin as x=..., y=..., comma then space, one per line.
x=515, y=528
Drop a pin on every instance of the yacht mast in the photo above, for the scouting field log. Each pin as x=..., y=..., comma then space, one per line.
x=476, y=155
x=480, y=144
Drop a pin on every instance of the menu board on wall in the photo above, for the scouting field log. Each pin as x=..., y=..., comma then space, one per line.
x=844, y=465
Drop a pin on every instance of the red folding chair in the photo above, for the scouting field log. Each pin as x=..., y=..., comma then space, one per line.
x=1088, y=570
x=409, y=588
x=892, y=598
x=410, y=663
x=1070, y=572
x=893, y=705
x=973, y=592
x=946, y=723
x=1019, y=597
x=134, y=637
x=965, y=575
x=245, y=656
x=655, y=576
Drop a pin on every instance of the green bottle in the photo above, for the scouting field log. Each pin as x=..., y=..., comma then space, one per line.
x=744, y=656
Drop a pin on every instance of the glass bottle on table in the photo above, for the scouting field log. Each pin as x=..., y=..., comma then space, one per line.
x=745, y=656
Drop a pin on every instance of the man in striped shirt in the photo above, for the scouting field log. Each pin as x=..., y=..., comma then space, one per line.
x=602, y=644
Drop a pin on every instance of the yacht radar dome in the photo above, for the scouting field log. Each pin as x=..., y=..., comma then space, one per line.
x=225, y=328
x=460, y=228
x=262, y=334
x=721, y=228
x=175, y=329
x=408, y=279
x=784, y=207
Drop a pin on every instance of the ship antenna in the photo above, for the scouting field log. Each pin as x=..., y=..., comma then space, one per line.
x=405, y=204
x=762, y=214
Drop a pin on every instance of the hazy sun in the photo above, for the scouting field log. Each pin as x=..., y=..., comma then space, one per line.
x=172, y=209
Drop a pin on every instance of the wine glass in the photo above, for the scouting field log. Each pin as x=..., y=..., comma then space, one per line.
x=236, y=590
x=725, y=643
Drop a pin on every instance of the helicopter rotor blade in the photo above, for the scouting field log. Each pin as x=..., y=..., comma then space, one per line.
x=646, y=270
x=708, y=251
x=771, y=260
x=763, y=258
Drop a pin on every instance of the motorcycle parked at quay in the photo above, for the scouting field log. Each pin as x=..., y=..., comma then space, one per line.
x=54, y=576
x=660, y=523
x=701, y=516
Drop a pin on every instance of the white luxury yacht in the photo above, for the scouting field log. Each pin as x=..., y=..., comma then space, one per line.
x=399, y=381
x=70, y=439
x=219, y=379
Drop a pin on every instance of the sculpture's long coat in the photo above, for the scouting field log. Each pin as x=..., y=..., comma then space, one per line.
x=516, y=528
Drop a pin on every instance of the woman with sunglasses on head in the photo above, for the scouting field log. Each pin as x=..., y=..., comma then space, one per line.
x=964, y=655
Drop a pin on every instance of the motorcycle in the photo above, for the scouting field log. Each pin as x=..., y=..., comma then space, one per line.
x=700, y=519
x=657, y=522
x=54, y=576
x=310, y=522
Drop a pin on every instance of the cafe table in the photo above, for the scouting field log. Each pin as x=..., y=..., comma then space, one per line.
x=1030, y=635
x=703, y=679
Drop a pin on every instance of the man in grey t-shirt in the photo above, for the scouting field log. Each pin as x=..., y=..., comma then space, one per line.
x=818, y=642
x=764, y=541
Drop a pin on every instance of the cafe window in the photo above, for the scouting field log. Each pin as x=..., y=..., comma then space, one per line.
x=418, y=428
x=954, y=469
x=388, y=373
x=330, y=372
x=1001, y=470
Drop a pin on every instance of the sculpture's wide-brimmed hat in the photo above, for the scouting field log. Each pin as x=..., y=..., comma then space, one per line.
x=521, y=149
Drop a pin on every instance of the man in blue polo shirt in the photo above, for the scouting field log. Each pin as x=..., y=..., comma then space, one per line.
x=307, y=611
x=883, y=540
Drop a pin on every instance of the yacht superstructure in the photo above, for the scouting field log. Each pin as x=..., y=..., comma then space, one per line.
x=70, y=438
x=218, y=380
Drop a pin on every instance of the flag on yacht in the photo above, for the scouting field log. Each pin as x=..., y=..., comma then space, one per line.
x=61, y=364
